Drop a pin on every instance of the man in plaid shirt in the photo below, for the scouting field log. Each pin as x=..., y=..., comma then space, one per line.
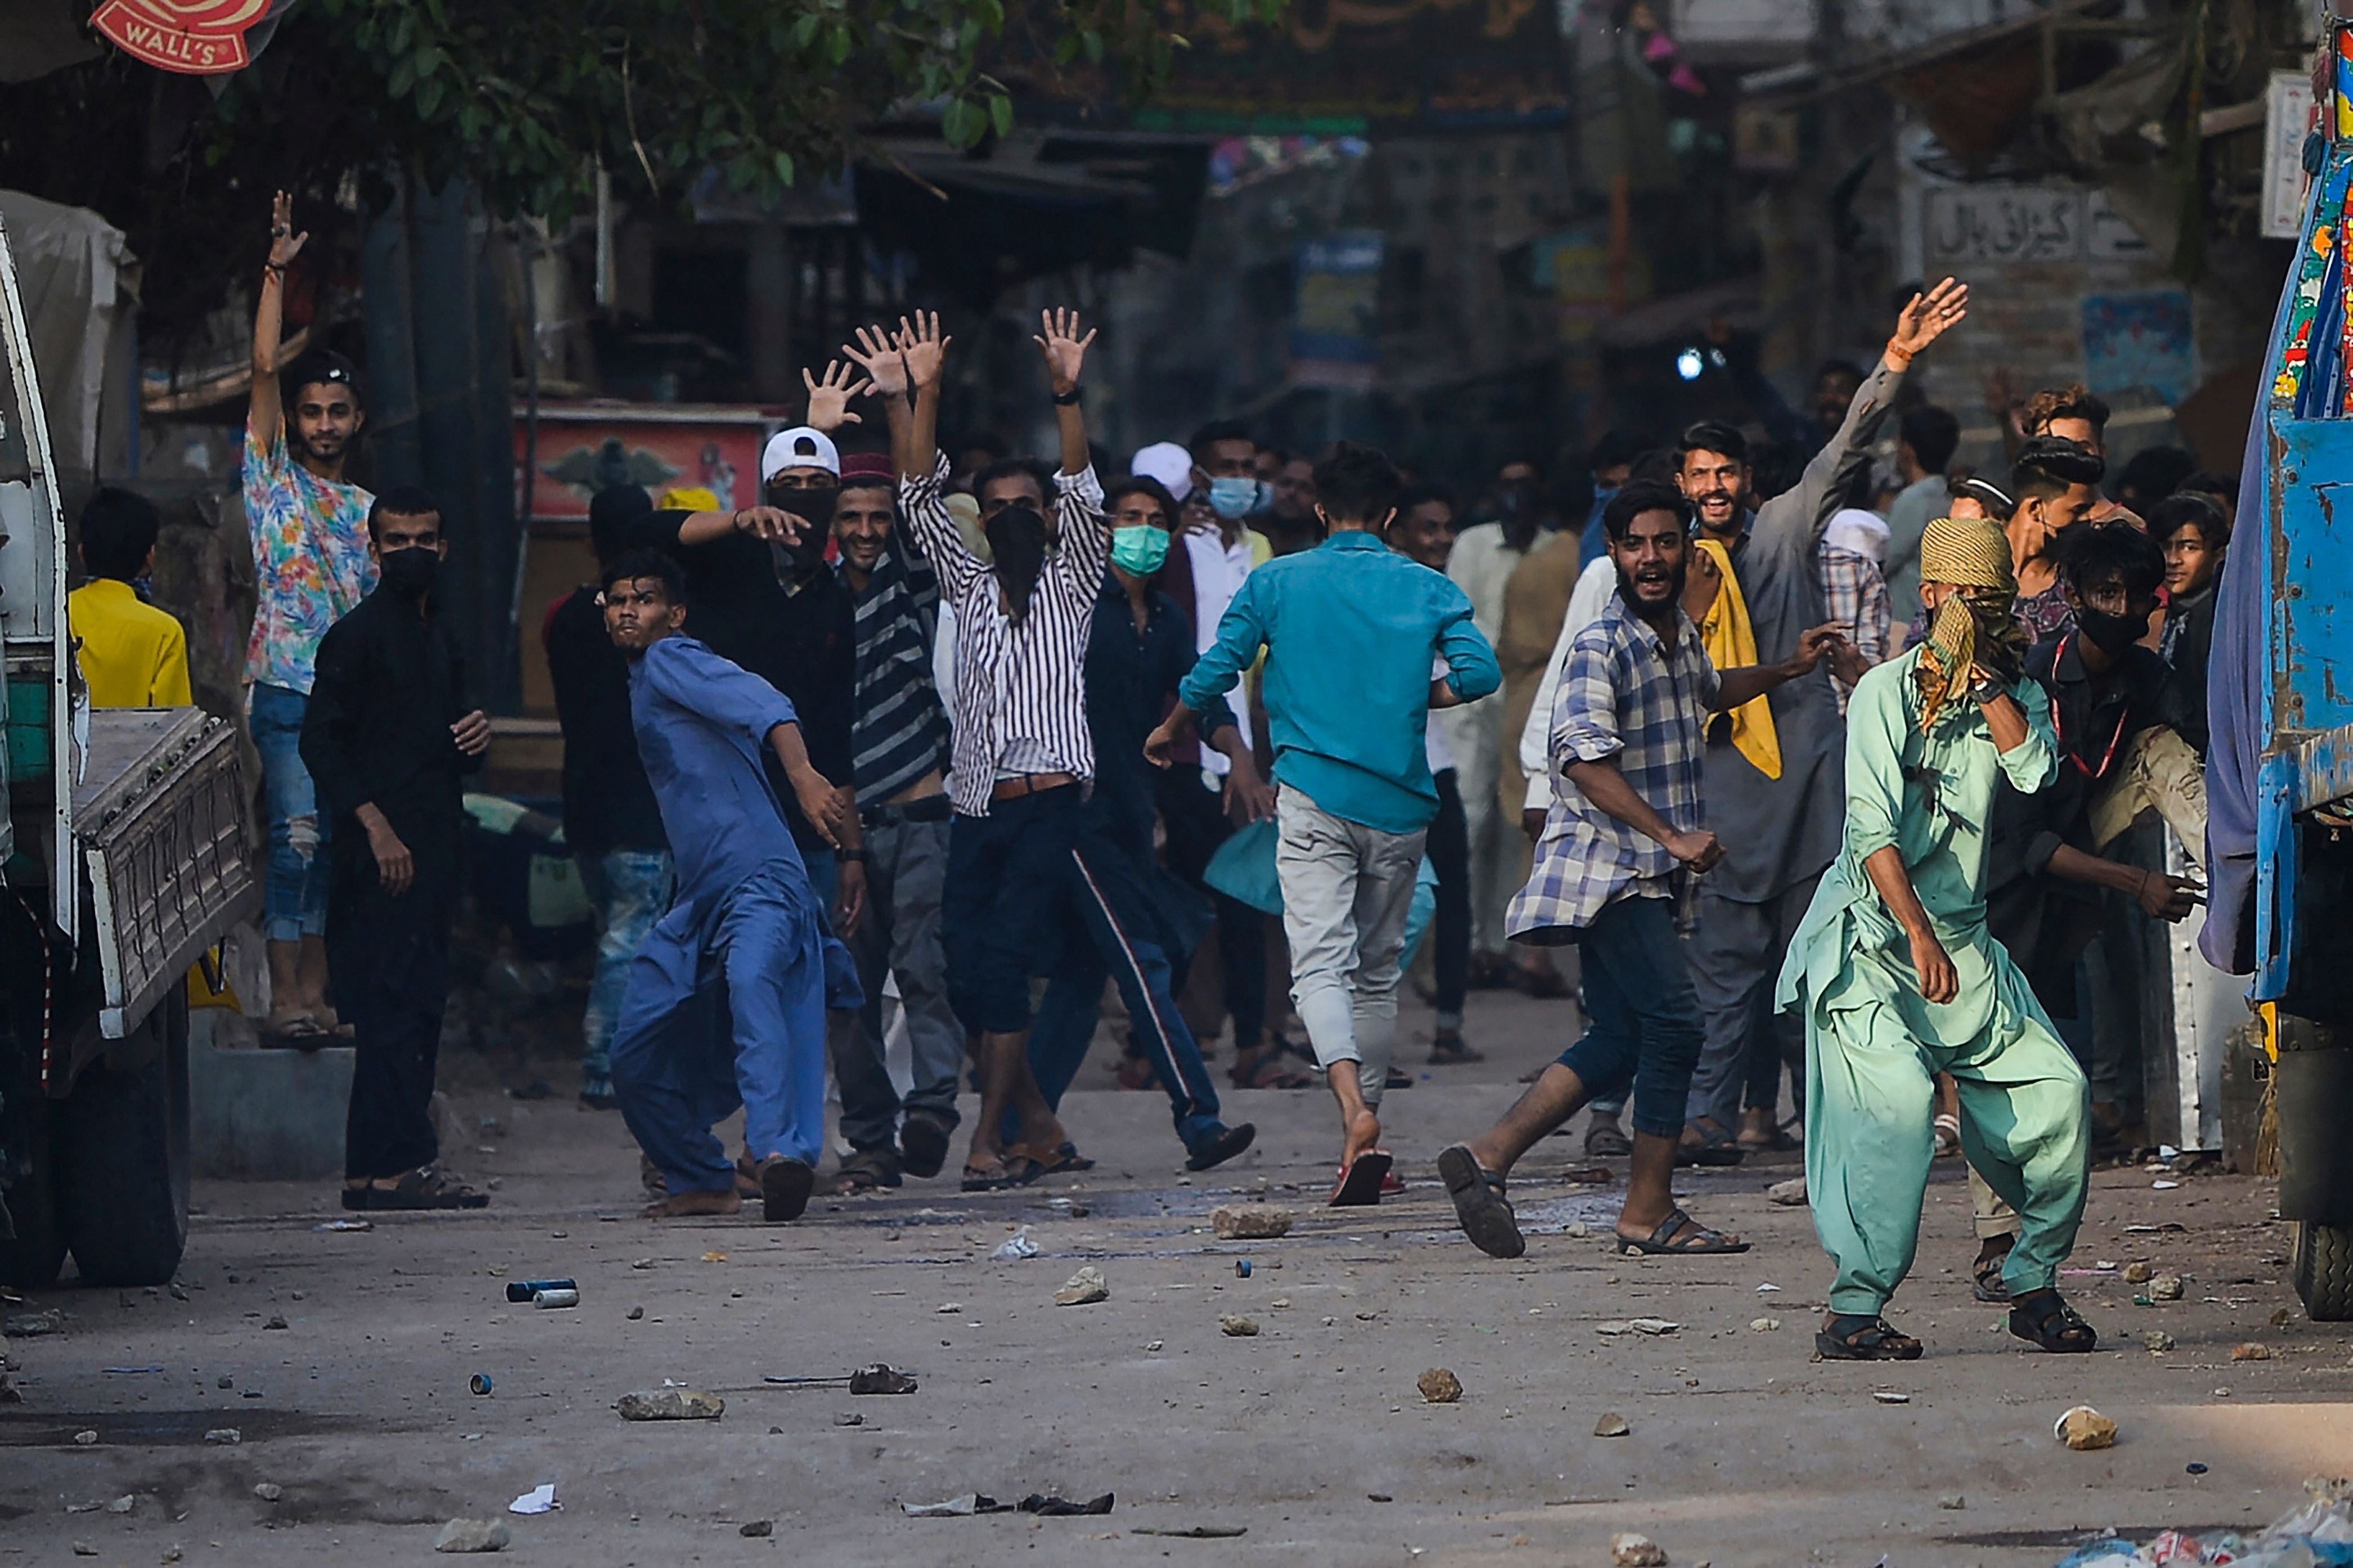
x=1622, y=839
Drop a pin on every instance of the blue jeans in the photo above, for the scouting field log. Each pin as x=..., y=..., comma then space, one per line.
x=632, y=887
x=1645, y=1025
x=294, y=896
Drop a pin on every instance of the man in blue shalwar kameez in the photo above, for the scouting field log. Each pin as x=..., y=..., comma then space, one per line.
x=726, y=1000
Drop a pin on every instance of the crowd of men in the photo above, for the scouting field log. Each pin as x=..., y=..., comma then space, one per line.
x=1851, y=777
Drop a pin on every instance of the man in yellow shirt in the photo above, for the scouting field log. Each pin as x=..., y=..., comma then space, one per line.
x=133, y=654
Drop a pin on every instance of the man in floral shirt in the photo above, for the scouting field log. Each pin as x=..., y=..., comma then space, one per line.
x=309, y=528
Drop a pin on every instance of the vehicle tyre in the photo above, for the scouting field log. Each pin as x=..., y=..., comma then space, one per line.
x=2323, y=1271
x=122, y=1155
x=30, y=1262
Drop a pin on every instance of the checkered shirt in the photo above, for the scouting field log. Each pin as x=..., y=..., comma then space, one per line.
x=1854, y=590
x=1625, y=695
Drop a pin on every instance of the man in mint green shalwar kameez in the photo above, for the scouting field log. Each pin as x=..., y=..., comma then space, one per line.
x=1899, y=979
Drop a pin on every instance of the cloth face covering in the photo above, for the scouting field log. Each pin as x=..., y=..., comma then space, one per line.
x=410, y=572
x=1975, y=625
x=1017, y=540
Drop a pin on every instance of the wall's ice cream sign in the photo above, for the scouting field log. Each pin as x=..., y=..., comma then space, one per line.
x=196, y=38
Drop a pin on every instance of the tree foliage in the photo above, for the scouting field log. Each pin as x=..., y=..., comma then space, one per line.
x=526, y=97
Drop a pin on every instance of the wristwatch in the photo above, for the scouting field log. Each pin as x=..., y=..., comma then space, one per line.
x=1984, y=690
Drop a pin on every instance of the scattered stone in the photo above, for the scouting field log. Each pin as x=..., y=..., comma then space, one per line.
x=225, y=1436
x=2139, y=1273
x=1890, y=1396
x=2166, y=1288
x=269, y=1491
x=473, y=1535
x=124, y=1504
x=2157, y=1340
x=1790, y=1194
x=757, y=1528
x=1637, y=1326
x=1613, y=1425
x=2281, y=1317
x=85, y=1439
x=1438, y=1386
x=84, y=1549
x=1379, y=1497
x=635, y=1314
x=1234, y=1326
x=880, y=1378
x=714, y=1257
x=949, y=1307
x=2251, y=1352
x=1281, y=1303
x=171, y=1554
x=2083, y=1427
x=1631, y=1550
x=642, y=1263
x=1088, y=1285
x=1250, y=1221
x=32, y=1325
x=277, y=1321
x=1952, y=1501
x=1764, y=1325
x=669, y=1405
x=224, y=1380
x=1578, y=1230
x=1153, y=1346
x=847, y=1418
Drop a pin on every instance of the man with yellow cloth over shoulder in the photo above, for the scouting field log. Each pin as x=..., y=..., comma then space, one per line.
x=1897, y=977
x=1772, y=770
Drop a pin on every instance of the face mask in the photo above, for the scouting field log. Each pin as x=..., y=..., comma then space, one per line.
x=815, y=505
x=1233, y=497
x=410, y=572
x=2110, y=634
x=1016, y=540
x=1139, y=548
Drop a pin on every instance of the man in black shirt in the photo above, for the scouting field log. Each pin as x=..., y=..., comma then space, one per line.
x=385, y=737
x=760, y=595
x=2194, y=531
x=611, y=822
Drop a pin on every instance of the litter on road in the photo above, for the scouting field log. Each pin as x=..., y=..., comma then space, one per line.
x=541, y=1499
x=1087, y=1286
x=671, y=1405
x=2083, y=1427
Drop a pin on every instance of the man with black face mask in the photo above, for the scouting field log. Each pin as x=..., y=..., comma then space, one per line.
x=385, y=737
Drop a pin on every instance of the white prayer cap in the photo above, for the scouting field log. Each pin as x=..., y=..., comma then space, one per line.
x=1168, y=463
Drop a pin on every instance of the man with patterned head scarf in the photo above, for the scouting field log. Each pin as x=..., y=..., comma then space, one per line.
x=1897, y=977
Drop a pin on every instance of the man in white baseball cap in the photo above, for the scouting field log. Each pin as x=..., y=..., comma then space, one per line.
x=1169, y=463
x=805, y=454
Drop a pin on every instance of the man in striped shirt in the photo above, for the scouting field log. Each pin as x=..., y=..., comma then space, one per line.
x=900, y=737
x=1021, y=753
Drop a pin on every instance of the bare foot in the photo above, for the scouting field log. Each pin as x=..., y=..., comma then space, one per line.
x=693, y=1206
x=1364, y=1134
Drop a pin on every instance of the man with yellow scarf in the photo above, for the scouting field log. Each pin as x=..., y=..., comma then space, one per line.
x=1773, y=770
x=1897, y=977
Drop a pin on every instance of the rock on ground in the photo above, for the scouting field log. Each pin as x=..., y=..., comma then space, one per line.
x=671, y=1405
x=473, y=1535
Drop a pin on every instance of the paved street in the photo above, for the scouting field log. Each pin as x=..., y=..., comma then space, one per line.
x=1310, y=1435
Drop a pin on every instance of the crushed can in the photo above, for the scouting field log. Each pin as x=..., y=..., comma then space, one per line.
x=560, y=1296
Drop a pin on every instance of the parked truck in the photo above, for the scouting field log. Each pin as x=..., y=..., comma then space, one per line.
x=126, y=855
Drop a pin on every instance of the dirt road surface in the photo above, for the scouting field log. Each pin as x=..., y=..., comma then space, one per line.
x=357, y=1423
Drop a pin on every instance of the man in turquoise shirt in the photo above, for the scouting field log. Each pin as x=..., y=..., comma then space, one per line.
x=1352, y=632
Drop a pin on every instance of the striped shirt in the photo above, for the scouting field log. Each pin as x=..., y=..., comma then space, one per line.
x=1019, y=692
x=1624, y=694
x=899, y=733
x=1855, y=588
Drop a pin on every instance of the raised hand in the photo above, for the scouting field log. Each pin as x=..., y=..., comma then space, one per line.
x=829, y=400
x=1928, y=317
x=876, y=355
x=1065, y=351
x=925, y=348
x=285, y=245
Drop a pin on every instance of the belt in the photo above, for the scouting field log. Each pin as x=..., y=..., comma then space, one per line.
x=923, y=808
x=1020, y=785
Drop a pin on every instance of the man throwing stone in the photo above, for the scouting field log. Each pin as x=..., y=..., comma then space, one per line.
x=1622, y=841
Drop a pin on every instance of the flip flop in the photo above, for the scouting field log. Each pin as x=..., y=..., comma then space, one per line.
x=785, y=1188
x=1658, y=1244
x=1360, y=1179
x=1065, y=1157
x=922, y=1145
x=1479, y=1207
x=984, y=1179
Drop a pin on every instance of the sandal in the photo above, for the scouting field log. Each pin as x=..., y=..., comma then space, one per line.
x=1481, y=1208
x=1268, y=1071
x=1852, y=1338
x=1948, y=1142
x=865, y=1171
x=1065, y=1157
x=1136, y=1072
x=1398, y=1078
x=1360, y=1179
x=1703, y=1240
x=296, y=1028
x=1447, y=1050
x=991, y=1177
x=1706, y=1146
x=2043, y=1318
x=1986, y=1282
x=1605, y=1140
x=423, y=1188
x=923, y=1144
